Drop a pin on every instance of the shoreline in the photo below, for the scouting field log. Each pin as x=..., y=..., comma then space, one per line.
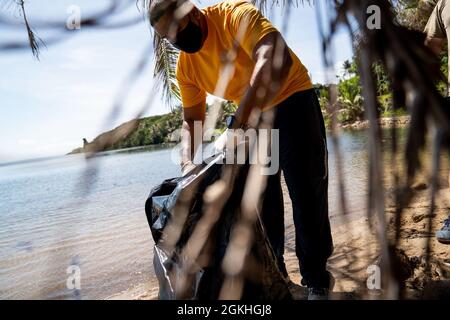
x=385, y=122
x=356, y=249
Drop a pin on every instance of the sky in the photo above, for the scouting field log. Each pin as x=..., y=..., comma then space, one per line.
x=48, y=106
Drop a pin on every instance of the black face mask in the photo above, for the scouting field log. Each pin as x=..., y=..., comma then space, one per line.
x=190, y=39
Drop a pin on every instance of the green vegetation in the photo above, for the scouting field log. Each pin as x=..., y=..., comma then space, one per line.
x=154, y=130
x=149, y=131
x=412, y=14
x=350, y=102
x=163, y=128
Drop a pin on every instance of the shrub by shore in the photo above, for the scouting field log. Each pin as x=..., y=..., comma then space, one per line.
x=385, y=122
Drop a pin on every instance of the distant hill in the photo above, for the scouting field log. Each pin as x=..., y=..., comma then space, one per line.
x=149, y=131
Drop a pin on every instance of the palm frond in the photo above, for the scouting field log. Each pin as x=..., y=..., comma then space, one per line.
x=165, y=65
x=33, y=39
x=166, y=57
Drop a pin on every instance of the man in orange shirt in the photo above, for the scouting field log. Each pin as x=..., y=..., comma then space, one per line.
x=264, y=74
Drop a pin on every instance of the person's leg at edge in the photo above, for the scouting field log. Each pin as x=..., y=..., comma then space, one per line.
x=443, y=235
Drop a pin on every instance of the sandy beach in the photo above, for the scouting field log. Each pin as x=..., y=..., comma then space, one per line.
x=355, y=249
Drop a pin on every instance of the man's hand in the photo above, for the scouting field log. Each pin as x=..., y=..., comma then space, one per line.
x=188, y=145
x=187, y=167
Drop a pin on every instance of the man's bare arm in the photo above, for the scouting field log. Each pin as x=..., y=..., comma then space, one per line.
x=188, y=145
x=272, y=64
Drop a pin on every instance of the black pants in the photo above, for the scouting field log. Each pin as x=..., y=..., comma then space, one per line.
x=303, y=159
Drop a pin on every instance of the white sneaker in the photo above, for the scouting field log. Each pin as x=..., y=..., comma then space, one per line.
x=443, y=235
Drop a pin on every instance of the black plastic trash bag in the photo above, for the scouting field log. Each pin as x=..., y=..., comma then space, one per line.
x=263, y=281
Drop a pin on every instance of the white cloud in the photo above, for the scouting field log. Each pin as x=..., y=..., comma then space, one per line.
x=25, y=142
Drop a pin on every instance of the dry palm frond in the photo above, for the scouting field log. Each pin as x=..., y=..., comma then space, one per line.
x=414, y=72
x=33, y=39
x=99, y=20
x=18, y=6
x=412, y=68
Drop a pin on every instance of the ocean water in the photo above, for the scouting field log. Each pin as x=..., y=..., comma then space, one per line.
x=64, y=215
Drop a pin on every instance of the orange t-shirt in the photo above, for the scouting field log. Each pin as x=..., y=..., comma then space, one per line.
x=231, y=22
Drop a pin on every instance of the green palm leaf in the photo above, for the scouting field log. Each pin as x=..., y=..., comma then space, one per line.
x=165, y=66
